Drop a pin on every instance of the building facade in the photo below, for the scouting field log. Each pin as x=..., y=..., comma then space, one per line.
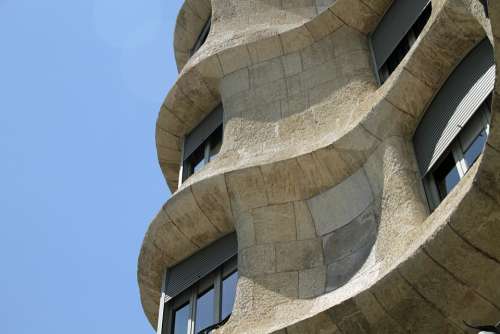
x=334, y=168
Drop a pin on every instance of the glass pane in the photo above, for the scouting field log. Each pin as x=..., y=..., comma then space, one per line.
x=180, y=320
x=474, y=150
x=205, y=314
x=198, y=165
x=446, y=176
x=228, y=294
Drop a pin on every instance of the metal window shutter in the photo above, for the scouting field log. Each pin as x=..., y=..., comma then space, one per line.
x=395, y=24
x=186, y=273
x=461, y=95
x=202, y=131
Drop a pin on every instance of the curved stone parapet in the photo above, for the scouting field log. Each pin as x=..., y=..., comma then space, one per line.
x=317, y=174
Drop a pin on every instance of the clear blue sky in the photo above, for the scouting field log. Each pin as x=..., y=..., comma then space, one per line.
x=81, y=83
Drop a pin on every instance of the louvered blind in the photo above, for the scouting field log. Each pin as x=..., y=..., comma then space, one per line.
x=457, y=101
x=188, y=272
x=202, y=131
x=395, y=24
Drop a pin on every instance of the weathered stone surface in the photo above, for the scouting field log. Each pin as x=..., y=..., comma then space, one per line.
x=341, y=204
x=274, y=223
x=312, y=282
x=358, y=233
x=259, y=259
x=303, y=221
x=303, y=117
x=190, y=220
x=340, y=271
x=297, y=255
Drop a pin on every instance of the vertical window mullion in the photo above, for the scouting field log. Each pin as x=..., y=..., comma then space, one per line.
x=192, y=302
x=206, y=155
x=218, y=296
x=459, y=159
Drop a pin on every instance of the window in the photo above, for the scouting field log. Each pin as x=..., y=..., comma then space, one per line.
x=404, y=46
x=199, y=292
x=202, y=37
x=454, y=129
x=396, y=33
x=203, y=143
x=205, y=305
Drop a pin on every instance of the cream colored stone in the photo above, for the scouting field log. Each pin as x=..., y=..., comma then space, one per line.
x=274, y=223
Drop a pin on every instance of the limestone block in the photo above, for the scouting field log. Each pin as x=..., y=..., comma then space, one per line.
x=265, y=72
x=292, y=63
x=184, y=108
x=234, y=59
x=270, y=92
x=213, y=200
x=265, y=49
x=356, y=14
x=347, y=40
x=315, y=171
x=341, y=204
x=245, y=231
x=385, y=120
x=170, y=123
x=297, y=255
x=489, y=176
x=458, y=302
x=359, y=233
x=317, y=53
x=477, y=222
x=400, y=300
x=256, y=260
x=378, y=6
x=323, y=25
x=478, y=271
x=437, y=54
x=408, y=93
x=274, y=223
x=187, y=216
x=167, y=139
x=273, y=289
x=296, y=39
x=167, y=237
x=341, y=271
x=320, y=324
x=284, y=182
x=246, y=190
x=303, y=221
x=312, y=282
x=378, y=319
x=234, y=83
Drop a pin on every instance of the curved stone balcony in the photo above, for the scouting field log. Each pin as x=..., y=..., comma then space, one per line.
x=317, y=173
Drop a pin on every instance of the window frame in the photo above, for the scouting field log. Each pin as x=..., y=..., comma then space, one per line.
x=409, y=40
x=474, y=127
x=191, y=294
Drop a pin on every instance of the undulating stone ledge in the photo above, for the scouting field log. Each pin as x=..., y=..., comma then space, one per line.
x=390, y=280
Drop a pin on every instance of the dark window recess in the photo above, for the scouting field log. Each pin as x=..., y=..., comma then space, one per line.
x=446, y=176
x=205, y=305
x=404, y=45
x=206, y=152
x=202, y=37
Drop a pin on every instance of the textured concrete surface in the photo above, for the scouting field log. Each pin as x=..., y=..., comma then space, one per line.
x=317, y=173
